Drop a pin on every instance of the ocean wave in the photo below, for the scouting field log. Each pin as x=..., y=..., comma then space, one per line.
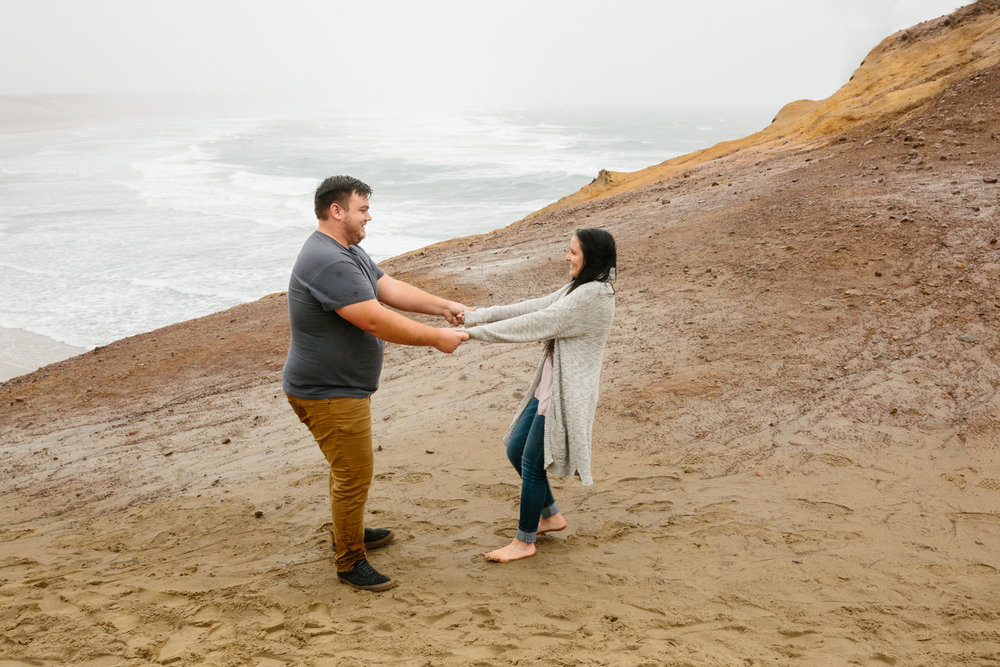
x=285, y=186
x=33, y=270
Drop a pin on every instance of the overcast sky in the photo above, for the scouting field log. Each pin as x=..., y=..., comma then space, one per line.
x=458, y=53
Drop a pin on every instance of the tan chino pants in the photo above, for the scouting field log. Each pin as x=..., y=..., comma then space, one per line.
x=343, y=429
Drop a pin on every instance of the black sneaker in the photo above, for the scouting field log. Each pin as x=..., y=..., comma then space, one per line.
x=375, y=538
x=364, y=576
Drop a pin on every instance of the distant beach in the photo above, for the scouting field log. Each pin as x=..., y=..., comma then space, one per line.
x=22, y=352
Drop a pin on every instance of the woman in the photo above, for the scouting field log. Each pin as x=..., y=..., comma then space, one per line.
x=552, y=430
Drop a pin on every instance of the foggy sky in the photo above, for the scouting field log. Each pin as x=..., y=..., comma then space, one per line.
x=452, y=53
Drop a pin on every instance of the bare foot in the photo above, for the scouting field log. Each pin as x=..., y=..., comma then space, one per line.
x=513, y=551
x=552, y=524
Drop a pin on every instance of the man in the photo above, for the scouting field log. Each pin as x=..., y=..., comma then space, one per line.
x=338, y=329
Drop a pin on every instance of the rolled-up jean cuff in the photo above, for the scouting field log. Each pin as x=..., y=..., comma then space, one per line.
x=527, y=537
x=550, y=511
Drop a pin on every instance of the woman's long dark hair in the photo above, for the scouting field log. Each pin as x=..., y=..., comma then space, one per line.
x=600, y=259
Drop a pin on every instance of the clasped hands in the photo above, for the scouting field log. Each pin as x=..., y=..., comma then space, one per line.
x=454, y=313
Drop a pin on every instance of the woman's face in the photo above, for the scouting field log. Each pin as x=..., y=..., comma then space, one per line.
x=574, y=257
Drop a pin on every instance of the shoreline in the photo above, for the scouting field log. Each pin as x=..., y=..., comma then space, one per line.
x=22, y=352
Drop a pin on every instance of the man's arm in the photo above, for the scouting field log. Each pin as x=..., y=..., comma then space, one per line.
x=373, y=317
x=405, y=296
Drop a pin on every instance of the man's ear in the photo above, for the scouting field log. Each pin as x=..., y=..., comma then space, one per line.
x=335, y=211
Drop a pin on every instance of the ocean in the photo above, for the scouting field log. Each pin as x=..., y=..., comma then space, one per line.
x=122, y=223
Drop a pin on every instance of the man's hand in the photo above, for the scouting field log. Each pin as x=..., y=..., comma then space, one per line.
x=450, y=339
x=453, y=312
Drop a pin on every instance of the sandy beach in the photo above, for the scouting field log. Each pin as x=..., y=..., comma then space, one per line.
x=23, y=351
x=795, y=452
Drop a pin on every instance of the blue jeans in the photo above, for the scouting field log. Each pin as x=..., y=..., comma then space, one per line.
x=526, y=451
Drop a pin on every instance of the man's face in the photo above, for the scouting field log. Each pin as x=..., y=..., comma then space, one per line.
x=354, y=218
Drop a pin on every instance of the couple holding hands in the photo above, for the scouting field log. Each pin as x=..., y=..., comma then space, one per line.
x=339, y=327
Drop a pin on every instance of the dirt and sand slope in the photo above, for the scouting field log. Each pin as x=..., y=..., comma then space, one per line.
x=796, y=455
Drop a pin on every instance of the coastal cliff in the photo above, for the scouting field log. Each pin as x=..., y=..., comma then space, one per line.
x=795, y=451
x=898, y=77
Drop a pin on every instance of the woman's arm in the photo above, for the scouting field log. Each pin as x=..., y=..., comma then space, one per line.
x=570, y=316
x=497, y=313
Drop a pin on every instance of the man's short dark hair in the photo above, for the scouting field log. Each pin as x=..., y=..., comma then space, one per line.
x=338, y=189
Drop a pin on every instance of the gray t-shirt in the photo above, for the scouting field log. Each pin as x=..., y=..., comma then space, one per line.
x=328, y=356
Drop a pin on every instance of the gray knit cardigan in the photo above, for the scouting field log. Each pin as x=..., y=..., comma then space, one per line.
x=579, y=322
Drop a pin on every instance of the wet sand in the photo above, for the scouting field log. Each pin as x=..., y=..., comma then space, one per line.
x=23, y=351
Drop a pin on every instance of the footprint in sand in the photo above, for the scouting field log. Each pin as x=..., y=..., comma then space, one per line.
x=836, y=461
x=483, y=616
x=178, y=648
x=613, y=531
x=452, y=618
x=956, y=479
x=207, y=616
x=57, y=604
x=814, y=541
x=319, y=620
x=500, y=491
x=693, y=461
x=652, y=483
x=273, y=622
x=124, y=622
x=828, y=508
x=651, y=506
x=973, y=570
x=733, y=528
x=436, y=503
